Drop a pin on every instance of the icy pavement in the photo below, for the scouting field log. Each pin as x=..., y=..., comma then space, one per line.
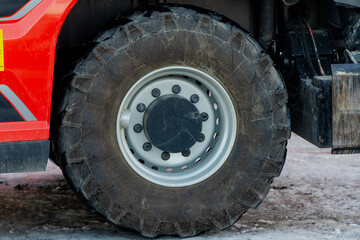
x=316, y=197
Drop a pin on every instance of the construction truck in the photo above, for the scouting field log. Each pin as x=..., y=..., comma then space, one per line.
x=172, y=117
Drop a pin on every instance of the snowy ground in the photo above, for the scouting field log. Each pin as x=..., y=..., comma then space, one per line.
x=316, y=197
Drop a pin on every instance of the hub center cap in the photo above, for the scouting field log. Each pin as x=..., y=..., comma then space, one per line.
x=172, y=123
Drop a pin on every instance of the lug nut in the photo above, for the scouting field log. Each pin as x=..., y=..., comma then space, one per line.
x=201, y=138
x=147, y=146
x=196, y=115
x=165, y=156
x=186, y=153
x=156, y=92
x=138, y=128
x=194, y=98
x=141, y=107
x=176, y=89
x=204, y=116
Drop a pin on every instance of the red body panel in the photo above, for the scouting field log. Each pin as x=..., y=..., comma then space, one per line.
x=29, y=57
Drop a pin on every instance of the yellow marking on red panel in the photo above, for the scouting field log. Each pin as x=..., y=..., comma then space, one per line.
x=2, y=67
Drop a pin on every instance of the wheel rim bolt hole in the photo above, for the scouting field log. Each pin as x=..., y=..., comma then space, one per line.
x=141, y=161
x=215, y=106
x=194, y=98
x=184, y=167
x=216, y=135
x=165, y=156
x=147, y=146
x=154, y=168
x=201, y=138
x=141, y=107
x=204, y=116
x=176, y=89
x=138, y=128
x=217, y=121
x=209, y=149
x=197, y=160
x=156, y=92
x=209, y=93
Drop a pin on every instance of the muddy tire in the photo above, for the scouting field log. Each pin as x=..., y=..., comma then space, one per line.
x=246, y=131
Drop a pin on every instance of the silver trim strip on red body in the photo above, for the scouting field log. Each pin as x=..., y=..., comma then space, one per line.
x=22, y=12
x=17, y=103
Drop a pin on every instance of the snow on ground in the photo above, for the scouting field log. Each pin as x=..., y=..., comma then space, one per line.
x=316, y=197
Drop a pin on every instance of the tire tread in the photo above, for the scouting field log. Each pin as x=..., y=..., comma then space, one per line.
x=81, y=86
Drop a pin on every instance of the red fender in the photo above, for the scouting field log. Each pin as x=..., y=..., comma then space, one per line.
x=26, y=80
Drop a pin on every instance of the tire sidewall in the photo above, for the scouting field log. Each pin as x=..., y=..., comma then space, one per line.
x=233, y=63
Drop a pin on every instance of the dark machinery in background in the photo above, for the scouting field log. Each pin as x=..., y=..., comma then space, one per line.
x=312, y=41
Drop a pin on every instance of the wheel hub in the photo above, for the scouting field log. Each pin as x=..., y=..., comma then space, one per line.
x=176, y=126
x=172, y=123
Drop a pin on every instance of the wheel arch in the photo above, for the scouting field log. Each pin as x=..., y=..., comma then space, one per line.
x=88, y=17
x=78, y=26
x=85, y=19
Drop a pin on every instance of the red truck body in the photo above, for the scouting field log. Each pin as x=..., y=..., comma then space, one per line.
x=29, y=43
x=171, y=117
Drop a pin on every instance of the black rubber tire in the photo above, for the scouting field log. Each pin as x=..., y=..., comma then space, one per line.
x=86, y=140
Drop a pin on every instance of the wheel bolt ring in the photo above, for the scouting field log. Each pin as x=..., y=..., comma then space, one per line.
x=186, y=153
x=176, y=89
x=141, y=107
x=194, y=98
x=147, y=146
x=204, y=117
x=165, y=156
x=201, y=138
x=156, y=92
x=138, y=128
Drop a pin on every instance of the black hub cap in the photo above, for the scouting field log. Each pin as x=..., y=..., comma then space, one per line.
x=172, y=123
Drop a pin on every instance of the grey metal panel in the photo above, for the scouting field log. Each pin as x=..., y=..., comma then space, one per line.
x=346, y=108
x=24, y=156
x=355, y=3
x=25, y=10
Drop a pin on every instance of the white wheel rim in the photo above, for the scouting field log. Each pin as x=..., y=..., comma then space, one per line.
x=206, y=157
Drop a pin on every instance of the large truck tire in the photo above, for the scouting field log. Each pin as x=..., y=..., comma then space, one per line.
x=176, y=122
